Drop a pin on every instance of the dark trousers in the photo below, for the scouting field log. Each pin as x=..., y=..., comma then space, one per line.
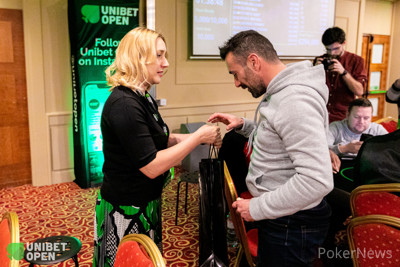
x=293, y=240
x=339, y=201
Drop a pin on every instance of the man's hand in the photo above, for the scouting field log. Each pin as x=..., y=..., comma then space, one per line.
x=229, y=120
x=352, y=147
x=318, y=61
x=242, y=207
x=335, y=161
x=336, y=66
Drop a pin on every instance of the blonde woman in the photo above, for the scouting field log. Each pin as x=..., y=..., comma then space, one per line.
x=138, y=148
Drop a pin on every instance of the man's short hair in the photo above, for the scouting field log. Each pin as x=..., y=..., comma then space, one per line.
x=333, y=35
x=359, y=102
x=244, y=43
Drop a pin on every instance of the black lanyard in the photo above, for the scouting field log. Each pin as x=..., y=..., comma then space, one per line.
x=156, y=114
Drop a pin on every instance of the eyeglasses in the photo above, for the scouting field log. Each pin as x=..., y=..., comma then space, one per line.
x=332, y=49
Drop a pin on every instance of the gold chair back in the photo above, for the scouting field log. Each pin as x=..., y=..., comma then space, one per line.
x=13, y=228
x=149, y=246
x=374, y=240
x=386, y=189
x=237, y=220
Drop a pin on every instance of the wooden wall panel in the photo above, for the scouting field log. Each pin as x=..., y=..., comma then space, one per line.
x=15, y=163
x=6, y=48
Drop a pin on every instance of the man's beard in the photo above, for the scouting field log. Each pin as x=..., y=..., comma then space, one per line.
x=257, y=87
x=258, y=91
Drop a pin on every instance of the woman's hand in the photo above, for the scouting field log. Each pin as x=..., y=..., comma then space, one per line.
x=210, y=135
x=229, y=120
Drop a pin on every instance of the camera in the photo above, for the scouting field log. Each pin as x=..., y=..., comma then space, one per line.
x=327, y=61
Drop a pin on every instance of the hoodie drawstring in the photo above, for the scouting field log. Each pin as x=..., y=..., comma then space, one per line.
x=251, y=136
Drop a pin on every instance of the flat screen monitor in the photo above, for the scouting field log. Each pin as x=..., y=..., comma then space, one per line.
x=294, y=27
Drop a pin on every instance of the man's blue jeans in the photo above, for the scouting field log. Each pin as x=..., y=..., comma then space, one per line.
x=293, y=240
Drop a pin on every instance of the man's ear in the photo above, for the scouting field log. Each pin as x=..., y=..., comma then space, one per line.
x=253, y=61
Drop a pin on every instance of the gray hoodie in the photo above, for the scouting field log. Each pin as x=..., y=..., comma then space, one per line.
x=290, y=168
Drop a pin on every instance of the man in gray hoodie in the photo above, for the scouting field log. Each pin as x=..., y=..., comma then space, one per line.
x=290, y=169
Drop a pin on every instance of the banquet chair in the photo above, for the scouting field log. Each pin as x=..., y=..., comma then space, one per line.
x=380, y=199
x=389, y=123
x=9, y=234
x=138, y=250
x=389, y=118
x=374, y=240
x=248, y=241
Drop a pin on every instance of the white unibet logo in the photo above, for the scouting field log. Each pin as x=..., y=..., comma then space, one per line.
x=108, y=14
x=117, y=15
x=44, y=251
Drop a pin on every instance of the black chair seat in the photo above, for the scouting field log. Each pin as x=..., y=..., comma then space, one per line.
x=53, y=250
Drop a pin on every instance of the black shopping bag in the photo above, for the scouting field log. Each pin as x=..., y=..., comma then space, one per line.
x=212, y=226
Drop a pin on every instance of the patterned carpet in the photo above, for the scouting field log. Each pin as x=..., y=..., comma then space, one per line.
x=180, y=243
x=66, y=209
x=61, y=209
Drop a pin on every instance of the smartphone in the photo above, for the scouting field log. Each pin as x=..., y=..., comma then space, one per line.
x=95, y=95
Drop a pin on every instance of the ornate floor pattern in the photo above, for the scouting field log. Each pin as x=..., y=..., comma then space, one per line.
x=66, y=209
x=61, y=209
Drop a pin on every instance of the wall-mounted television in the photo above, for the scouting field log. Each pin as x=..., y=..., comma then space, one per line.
x=294, y=27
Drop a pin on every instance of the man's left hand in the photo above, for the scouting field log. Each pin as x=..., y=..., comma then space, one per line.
x=242, y=207
x=336, y=66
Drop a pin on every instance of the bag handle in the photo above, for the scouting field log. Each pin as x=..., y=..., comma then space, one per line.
x=213, y=151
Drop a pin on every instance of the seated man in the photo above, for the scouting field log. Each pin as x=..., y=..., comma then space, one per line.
x=377, y=162
x=344, y=136
x=344, y=140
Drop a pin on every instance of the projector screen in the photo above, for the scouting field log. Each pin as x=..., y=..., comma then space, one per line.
x=294, y=27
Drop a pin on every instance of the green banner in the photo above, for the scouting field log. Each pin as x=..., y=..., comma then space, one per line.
x=95, y=29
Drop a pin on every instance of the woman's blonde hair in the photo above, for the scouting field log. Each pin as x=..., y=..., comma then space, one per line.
x=134, y=52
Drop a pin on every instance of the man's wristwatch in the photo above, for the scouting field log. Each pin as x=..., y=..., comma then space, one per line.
x=344, y=73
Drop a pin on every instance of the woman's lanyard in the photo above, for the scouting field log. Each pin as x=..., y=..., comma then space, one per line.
x=156, y=114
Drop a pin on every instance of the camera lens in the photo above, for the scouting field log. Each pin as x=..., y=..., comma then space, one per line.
x=327, y=62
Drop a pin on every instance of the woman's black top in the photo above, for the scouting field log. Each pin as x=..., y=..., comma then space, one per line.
x=133, y=132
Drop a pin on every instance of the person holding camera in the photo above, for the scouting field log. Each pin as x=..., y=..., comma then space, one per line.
x=346, y=75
